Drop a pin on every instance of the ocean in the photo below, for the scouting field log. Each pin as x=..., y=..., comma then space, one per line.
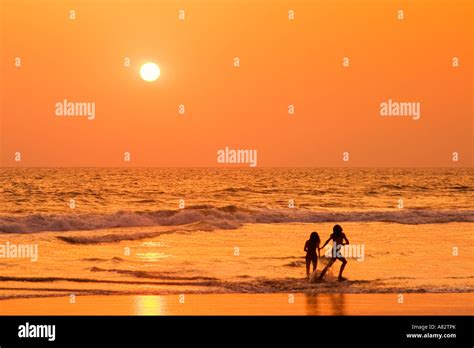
x=158, y=231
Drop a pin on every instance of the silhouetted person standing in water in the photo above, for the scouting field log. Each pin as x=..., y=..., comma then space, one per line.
x=339, y=239
x=312, y=250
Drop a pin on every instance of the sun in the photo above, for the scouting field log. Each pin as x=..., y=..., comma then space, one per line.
x=150, y=72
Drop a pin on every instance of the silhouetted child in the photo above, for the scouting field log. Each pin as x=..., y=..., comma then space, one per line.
x=312, y=250
x=338, y=237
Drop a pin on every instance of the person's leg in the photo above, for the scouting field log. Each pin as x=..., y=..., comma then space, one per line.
x=326, y=268
x=308, y=264
x=315, y=263
x=344, y=262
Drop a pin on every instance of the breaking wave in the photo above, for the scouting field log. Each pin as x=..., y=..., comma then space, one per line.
x=227, y=217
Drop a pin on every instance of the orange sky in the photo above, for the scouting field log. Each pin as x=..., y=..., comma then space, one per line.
x=282, y=62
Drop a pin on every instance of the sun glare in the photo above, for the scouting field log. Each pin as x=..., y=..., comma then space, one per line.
x=150, y=72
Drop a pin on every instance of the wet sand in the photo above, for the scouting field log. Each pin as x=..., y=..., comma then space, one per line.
x=246, y=304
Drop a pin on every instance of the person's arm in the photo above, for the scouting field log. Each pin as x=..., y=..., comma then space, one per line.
x=306, y=246
x=329, y=239
x=345, y=238
x=318, y=252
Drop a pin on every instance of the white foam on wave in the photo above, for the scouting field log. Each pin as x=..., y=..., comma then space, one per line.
x=228, y=217
x=136, y=280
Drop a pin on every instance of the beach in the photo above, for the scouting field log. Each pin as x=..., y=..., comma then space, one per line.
x=247, y=304
x=242, y=252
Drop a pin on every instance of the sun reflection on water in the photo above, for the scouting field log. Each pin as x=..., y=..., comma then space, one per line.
x=150, y=256
x=149, y=305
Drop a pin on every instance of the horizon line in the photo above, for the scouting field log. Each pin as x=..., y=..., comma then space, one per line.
x=247, y=167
